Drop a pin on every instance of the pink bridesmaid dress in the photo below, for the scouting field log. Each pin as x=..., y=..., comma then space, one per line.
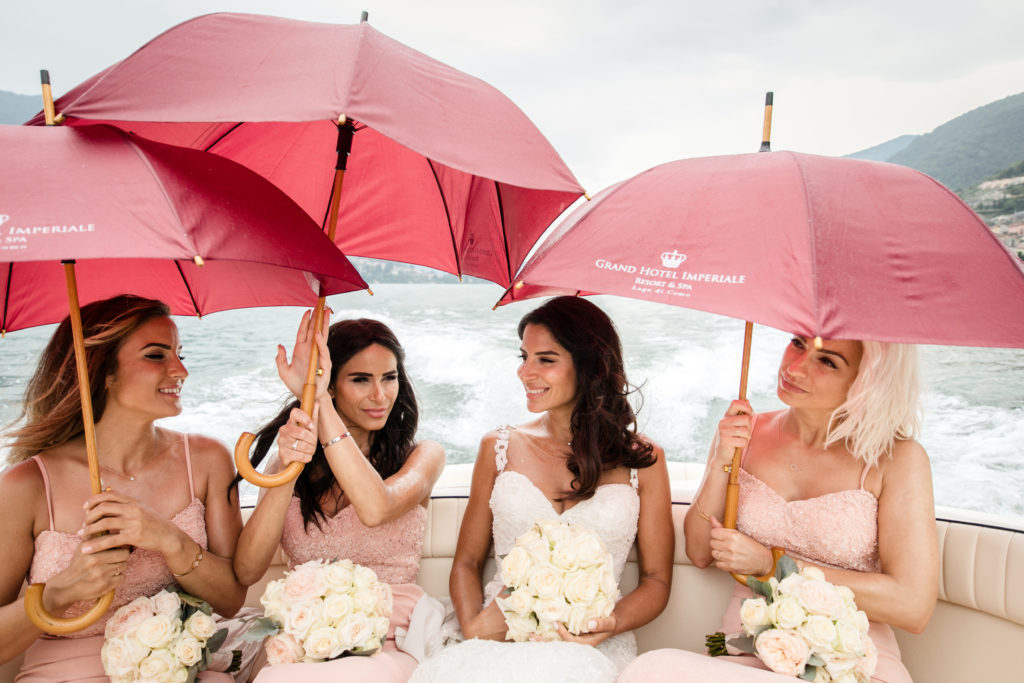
x=837, y=529
x=76, y=657
x=393, y=551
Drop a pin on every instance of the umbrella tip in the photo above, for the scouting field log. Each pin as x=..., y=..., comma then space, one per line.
x=44, y=77
x=817, y=343
x=198, y=260
x=586, y=195
x=495, y=306
x=369, y=291
x=519, y=285
x=364, y=17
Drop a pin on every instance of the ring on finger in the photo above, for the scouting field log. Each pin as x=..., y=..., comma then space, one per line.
x=319, y=372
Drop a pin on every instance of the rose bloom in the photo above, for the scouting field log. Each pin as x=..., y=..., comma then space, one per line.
x=556, y=532
x=609, y=585
x=129, y=616
x=545, y=581
x=840, y=663
x=519, y=601
x=339, y=574
x=365, y=600
x=121, y=655
x=849, y=636
x=754, y=614
x=167, y=602
x=515, y=566
x=159, y=664
x=300, y=618
x=356, y=632
x=363, y=578
x=520, y=626
x=337, y=606
x=282, y=649
x=179, y=675
x=322, y=643
x=187, y=649
x=791, y=584
x=550, y=610
x=581, y=587
x=304, y=583
x=866, y=665
x=539, y=550
x=783, y=651
x=813, y=573
x=821, y=597
x=786, y=612
x=156, y=631
x=820, y=633
x=579, y=615
x=385, y=600
x=381, y=626
x=200, y=625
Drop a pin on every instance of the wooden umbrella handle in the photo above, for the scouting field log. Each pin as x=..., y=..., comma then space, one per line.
x=42, y=619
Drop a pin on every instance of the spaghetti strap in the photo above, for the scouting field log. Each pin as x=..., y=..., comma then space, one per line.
x=46, y=488
x=864, y=475
x=501, y=448
x=634, y=480
x=753, y=423
x=188, y=465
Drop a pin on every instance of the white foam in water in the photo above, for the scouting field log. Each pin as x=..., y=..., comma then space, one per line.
x=462, y=358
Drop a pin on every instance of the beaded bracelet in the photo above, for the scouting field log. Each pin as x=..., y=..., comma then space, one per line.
x=195, y=563
x=334, y=440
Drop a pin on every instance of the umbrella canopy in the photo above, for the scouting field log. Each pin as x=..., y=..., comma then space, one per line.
x=140, y=216
x=820, y=246
x=445, y=171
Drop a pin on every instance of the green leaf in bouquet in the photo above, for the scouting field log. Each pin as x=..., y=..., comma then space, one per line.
x=744, y=644
x=785, y=566
x=193, y=671
x=815, y=660
x=358, y=653
x=810, y=673
x=762, y=588
x=259, y=629
x=216, y=640
x=193, y=601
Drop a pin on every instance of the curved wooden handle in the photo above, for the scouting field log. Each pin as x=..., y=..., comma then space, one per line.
x=38, y=615
x=267, y=481
x=776, y=554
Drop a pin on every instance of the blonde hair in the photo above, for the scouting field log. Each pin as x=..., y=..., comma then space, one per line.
x=882, y=404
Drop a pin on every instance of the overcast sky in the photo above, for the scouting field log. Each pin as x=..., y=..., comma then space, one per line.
x=620, y=86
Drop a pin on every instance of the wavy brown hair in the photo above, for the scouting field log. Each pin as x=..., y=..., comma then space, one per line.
x=389, y=447
x=52, y=409
x=603, y=423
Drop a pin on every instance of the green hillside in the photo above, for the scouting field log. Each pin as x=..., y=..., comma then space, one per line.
x=884, y=151
x=970, y=148
x=16, y=109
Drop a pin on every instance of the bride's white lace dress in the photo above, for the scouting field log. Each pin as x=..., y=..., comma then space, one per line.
x=612, y=513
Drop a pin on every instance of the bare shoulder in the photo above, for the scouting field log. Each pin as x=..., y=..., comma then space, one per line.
x=427, y=459
x=207, y=454
x=908, y=466
x=22, y=491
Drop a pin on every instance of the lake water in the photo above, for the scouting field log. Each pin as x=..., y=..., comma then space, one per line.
x=462, y=358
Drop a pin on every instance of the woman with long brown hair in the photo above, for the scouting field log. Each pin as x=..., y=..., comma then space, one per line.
x=169, y=512
x=580, y=461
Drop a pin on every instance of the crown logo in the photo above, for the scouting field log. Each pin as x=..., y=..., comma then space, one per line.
x=672, y=259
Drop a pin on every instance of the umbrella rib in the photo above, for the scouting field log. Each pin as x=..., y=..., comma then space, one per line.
x=223, y=135
x=188, y=289
x=447, y=217
x=504, y=232
x=7, y=295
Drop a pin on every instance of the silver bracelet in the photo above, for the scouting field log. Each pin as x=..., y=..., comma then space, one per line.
x=334, y=440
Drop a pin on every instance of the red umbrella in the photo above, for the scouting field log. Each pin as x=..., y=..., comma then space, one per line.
x=445, y=171
x=198, y=231
x=821, y=246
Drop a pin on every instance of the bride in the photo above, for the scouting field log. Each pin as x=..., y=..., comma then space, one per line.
x=580, y=461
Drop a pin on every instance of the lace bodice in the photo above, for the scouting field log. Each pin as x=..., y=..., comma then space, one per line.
x=392, y=549
x=146, y=571
x=612, y=513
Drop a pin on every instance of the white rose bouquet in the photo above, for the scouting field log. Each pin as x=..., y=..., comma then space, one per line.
x=556, y=573
x=167, y=638
x=802, y=625
x=323, y=610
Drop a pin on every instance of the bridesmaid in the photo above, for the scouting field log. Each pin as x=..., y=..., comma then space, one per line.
x=837, y=480
x=171, y=501
x=364, y=490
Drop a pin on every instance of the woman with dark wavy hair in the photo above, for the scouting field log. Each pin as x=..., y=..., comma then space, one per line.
x=168, y=513
x=581, y=461
x=364, y=490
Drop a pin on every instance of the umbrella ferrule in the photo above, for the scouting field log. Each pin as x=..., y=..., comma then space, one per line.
x=345, y=131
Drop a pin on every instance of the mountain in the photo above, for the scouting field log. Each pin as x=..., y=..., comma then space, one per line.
x=968, y=149
x=17, y=109
x=886, y=150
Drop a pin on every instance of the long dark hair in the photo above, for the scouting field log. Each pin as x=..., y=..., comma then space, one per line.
x=603, y=423
x=52, y=409
x=389, y=447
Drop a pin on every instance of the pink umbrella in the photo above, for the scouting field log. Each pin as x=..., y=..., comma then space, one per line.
x=821, y=246
x=200, y=232
x=445, y=171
